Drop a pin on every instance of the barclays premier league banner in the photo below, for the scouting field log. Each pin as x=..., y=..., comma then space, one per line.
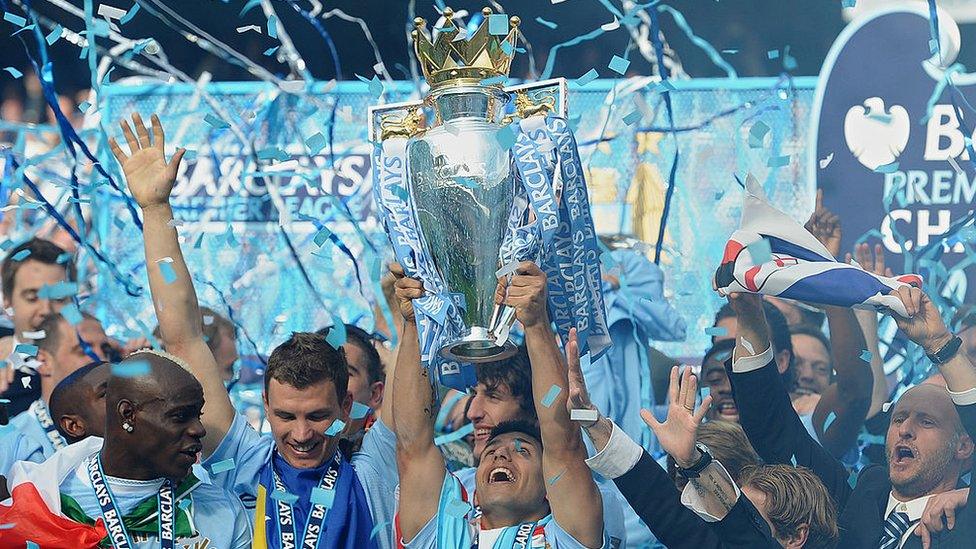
x=891, y=149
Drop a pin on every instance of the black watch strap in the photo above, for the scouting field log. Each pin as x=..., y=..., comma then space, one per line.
x=694, y=471
x=947, y=351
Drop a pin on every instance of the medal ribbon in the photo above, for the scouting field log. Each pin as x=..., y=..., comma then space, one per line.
x=315, y=523
x=43, y=416
x=117, y=533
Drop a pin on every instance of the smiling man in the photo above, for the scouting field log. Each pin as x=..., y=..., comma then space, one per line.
x=301, y=489
x=533, y=486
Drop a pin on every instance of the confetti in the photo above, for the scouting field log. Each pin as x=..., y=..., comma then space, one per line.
x=505, y=137
x=618, y=65
x=284, y=497
x=633, y=118
x=336, y=428
x=110, y=12
x=885, y=407
x=26, y=349
x=847, y=3
x=64, y=258
x=590, y=76
x=221, y=466
x=507, y=269
x=824, y=162
x=215, y=121
x=498, y=24
x=611, y=26
x=376, y=87
x=184, y=504
x=134, y=368
x=716, y=331
x=39, y=334
x=760, y=251
x=54, y=35
x=14, y=18
x=32, y=545
x=315, y=143
x=705, y=391
x=543, y=22
x=323, y=497
x=757, y=134
x=200, y=473
x=778, y=161
x=462, y=432
x=887, y=168
x=866, y=355
x=551, y=395
x=830, y=419
x=359, y=410
x=555, y=478
x=270, y=51
x=59, y=290
x=255, y=28
x=166, y=269
x=71, y=313
x=337, y=335
x=129, y=14
x=772, y=54
x=13, y=72
x=584, y=415
x=273, y=26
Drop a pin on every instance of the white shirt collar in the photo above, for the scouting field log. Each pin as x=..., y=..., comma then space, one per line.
x=912, y=508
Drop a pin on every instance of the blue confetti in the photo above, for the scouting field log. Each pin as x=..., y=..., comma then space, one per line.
x=505, y=137
x=555, y=478
x=887, y=168
x=757, y=134
x=760, y=252
x=322, y=237
x=498, y=24
x=848, y=3
x=184, y=504
x=518, y=445
x=129, y=14
x=633, y=118
x=551, y=395
x=705, y=391
x=458, y=508
x=26, y=349
x=359, y=410
x=619, y=65
x=32, y=545
x=590, y=76
x=376, y=87
x=54, y=35
x=273, y=26
x=13, y=72
x=866, y=355
x=323, y=497
x=464, y=431
x=716, y=331
x=270, y=51
x=377, y=528
x=778, y=161
x=59, y=290
x=772, y=54
x=549, y=24
x=71, y=313
x=166, y=269
x=336, y=428
x=223, y=465
x=337, y=335
x=284, y=497
x=14, y=18
x=133, y=368
x=215, y=121
x=64, y=258
x=315, y=143
x=830, y=419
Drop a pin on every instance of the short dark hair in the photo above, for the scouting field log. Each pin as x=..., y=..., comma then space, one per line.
x=65, y=396
x=41, y=250
x=725, y=345
x=362, y=339
x=514, y=373
x=306, y=359
x=515, y=426
x=811, y=331
x=779, y=332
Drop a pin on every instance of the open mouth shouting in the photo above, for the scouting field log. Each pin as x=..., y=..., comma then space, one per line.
x=501, y=474
x=902, y=455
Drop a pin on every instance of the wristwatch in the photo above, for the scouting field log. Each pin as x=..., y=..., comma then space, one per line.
x=694, y=471
x=947, y=351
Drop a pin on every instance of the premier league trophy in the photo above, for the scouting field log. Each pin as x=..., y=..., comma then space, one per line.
x=462, y=204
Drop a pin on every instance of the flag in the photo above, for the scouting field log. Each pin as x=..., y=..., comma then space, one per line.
x=771, y=254
x=33, y=512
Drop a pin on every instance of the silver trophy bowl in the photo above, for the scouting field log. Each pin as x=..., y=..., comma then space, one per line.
x=463, y=186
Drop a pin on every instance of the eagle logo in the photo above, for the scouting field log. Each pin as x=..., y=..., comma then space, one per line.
x=875, y=136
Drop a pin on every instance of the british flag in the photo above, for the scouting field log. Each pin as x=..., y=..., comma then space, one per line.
x=795, y=265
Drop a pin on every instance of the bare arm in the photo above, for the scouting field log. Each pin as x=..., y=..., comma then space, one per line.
x=150, y=179
x=573, y=496
x=420, y=463
x=849, y=396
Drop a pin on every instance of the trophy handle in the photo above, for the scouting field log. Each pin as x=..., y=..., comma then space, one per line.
x=502, y=319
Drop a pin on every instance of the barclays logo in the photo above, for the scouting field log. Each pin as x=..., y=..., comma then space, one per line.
x=876, y=136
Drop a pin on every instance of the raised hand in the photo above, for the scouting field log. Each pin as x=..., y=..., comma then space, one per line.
x=923, y=325
x=677, y=433
x=870, y=263
x=526, y=292
x=149, y=177
x=406, y=289
x=579, y=396
x=824, y=225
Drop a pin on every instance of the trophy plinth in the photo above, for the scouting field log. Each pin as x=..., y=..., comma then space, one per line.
x=477, y=345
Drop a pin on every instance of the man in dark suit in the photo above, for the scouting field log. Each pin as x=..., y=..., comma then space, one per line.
x=928, y=445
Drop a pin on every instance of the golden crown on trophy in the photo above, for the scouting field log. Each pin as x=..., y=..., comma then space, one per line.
x=454, y=59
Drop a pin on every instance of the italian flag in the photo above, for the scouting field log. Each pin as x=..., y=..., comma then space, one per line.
x=33, y=513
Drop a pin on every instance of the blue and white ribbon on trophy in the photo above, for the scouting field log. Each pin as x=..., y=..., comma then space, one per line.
x=550, y=223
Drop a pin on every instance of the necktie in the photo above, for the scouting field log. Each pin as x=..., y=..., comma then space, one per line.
x=894, y=528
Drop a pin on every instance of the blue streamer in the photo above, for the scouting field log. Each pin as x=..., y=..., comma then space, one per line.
x=709, y=50
x=659, y=53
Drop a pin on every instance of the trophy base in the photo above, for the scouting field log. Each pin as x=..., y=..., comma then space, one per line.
x=477, y=346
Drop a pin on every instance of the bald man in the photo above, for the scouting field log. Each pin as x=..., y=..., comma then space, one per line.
x=140, y=473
